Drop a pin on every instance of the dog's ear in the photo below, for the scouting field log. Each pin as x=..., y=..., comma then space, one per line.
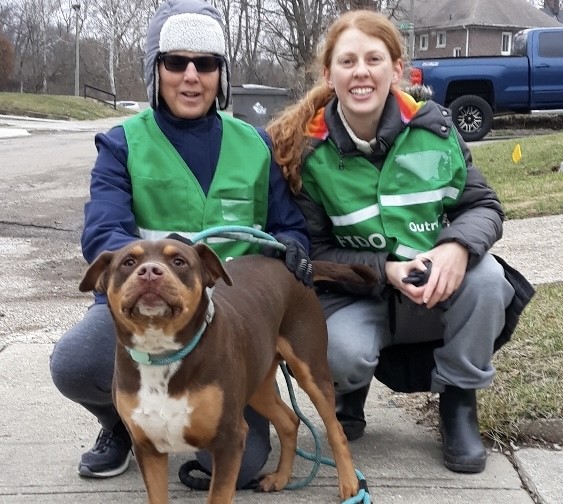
x=212, y=266
x=96, y=275
x=326, y=271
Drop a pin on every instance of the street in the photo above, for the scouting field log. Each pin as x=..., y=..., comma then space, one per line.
x=43, y=186
x=44, y=180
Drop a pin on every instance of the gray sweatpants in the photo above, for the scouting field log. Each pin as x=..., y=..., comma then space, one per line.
x=82, y=365
x=469, y=323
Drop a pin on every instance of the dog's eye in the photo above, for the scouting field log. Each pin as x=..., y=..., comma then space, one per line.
x=129, y=262
x=178, y=261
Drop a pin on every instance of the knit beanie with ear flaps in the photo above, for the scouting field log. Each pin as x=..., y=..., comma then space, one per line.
x=185, y=25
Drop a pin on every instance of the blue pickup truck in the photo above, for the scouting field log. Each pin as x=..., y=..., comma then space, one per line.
x=476, y=88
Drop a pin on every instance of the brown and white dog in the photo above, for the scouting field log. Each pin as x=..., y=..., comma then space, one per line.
x=159, y=293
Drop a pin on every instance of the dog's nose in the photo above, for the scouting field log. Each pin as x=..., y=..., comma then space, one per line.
x=150, y=271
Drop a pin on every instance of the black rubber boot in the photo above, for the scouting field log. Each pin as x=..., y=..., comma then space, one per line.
x=462, y=444
x=350, y=412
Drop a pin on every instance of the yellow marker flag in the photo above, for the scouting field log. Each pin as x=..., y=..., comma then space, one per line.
x=516, y=153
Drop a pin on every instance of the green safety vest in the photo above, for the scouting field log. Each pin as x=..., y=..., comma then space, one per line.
x=399, y=209
x=166, y=196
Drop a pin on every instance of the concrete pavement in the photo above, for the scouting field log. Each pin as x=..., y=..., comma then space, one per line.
x=42, y=434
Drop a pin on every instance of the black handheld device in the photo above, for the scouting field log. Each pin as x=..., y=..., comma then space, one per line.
x=417, y=277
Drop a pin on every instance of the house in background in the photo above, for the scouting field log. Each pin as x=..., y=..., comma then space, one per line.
x=445, y=28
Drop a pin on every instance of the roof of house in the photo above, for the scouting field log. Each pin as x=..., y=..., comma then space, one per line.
x=551, y=14
x=455, y=13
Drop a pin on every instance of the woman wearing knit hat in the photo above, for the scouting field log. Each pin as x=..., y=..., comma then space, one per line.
x=180, y=166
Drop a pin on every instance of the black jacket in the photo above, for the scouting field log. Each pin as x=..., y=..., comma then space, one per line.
x=476, y=223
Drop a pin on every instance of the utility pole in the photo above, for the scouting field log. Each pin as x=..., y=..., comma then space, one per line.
x=412, y=29
x=76, y=8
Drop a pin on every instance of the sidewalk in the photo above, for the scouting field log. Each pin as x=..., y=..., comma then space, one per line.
x=43, y=435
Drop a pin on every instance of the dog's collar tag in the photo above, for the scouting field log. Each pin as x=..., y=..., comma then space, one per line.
x=140, y=357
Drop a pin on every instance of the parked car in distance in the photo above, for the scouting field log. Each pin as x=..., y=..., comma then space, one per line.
x=476, y=88
x=128, y=104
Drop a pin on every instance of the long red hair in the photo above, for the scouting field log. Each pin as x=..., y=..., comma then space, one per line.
x=288, y=129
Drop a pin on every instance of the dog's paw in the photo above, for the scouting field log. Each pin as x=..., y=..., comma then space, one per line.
x=273, y=482
x=349, y=489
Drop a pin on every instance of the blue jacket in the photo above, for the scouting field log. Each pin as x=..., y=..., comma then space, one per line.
x=109, y=222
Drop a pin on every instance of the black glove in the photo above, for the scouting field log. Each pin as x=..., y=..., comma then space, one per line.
x=296, y=259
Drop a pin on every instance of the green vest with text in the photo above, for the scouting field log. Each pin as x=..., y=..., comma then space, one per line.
x=166, y=196
x=399, y=209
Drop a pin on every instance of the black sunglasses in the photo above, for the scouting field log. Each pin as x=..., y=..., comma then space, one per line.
x=177, y=63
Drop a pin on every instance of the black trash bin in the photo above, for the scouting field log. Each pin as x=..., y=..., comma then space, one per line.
x=257, y=104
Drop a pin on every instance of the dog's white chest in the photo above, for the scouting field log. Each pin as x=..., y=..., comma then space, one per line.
x=162, y=418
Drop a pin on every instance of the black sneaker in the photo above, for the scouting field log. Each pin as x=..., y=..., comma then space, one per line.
x=110, y=455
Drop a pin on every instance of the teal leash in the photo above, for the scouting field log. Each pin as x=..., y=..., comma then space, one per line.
x=363, y=495
x=253, y=235
x=243, y=233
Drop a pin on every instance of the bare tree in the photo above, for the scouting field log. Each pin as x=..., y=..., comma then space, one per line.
x=392, y=8
x=292, y=30
x=32, y=24
x=244, y=21
x=268, y=41
x=252, y=21
x=7, y=59
x=118, y=25
x=348, y=5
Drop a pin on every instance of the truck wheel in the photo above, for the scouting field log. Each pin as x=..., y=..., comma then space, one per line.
x=472, y=116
